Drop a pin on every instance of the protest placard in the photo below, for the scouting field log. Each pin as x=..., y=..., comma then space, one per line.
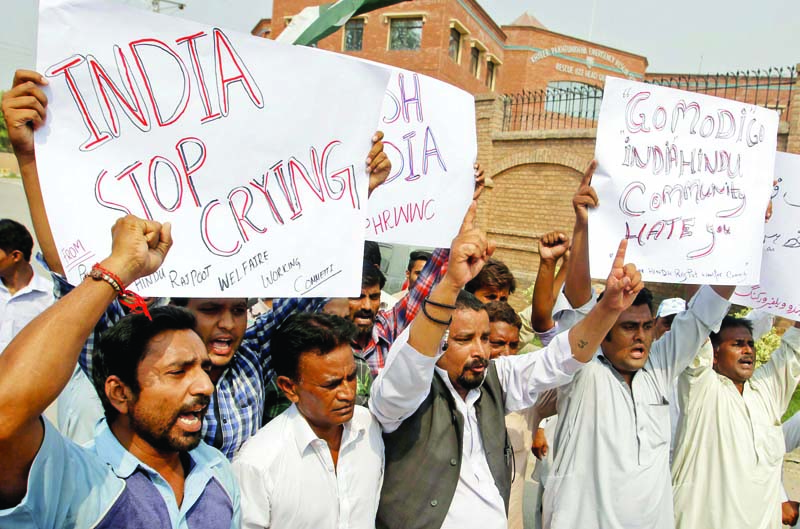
x=254, y=151
x=430, y=138
x=686, y=178
x=778, y=291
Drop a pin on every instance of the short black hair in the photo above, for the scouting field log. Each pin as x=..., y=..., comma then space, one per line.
x=308, y=332
x=417, y=255
x=502, y=311
x=729, y=322
x=494, y=274
x=371, y=276
x=372, y=253
x=123, y=346
x=15, y=236
x=644, y=297
x=179, y=302
x=467, y=301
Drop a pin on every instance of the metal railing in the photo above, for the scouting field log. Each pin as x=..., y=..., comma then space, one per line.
x=552, y=108
x=770, y=88
x=577, y=106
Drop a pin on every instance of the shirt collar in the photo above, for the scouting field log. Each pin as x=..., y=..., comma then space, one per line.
x=304, y=436
x=472, y=395
x=36, y=284
x=123, y=463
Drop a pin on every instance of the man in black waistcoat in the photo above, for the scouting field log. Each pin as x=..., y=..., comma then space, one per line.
x=441, y=402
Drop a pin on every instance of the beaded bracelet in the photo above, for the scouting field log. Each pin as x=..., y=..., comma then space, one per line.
x=132, y=300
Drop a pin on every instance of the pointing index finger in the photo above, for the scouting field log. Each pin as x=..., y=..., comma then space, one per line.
x=587, y=176
x=619, y=259
x=469, y=219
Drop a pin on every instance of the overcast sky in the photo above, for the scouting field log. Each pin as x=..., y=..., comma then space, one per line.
x=686, y=36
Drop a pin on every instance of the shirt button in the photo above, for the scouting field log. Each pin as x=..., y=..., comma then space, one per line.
x=453, y=462
x=434, y=503
x=224, y=421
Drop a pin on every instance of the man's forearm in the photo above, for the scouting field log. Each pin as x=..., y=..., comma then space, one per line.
x=543, y=300
x=587, y=335
x=578, y=283
x=38, y=363
x=41, y=224
x=426, y=334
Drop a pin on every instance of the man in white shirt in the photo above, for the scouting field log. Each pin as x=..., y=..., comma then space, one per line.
x=24, y=294
x=729, y=448
x=442, y=403
x=319, y=464
x=611, y=445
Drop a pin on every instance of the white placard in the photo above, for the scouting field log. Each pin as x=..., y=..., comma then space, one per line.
x=430, y=138
x=253, y=150
x=686, y=178
x=779, y=290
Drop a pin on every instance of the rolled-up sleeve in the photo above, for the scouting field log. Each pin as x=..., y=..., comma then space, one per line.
x=523, y=377
x=402, y=385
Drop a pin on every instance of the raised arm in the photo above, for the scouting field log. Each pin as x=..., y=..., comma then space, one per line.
x=405, y=380
x=552, y=246
x=378, y=164
x=25, y=109
x=622, y=285
x=578, y=286
x=38, y=363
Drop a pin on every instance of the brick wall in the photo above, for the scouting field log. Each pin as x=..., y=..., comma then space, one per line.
x=793, y=136
x=531, y=177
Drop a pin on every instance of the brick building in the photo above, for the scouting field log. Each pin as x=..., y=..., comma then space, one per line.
x=458, y=42
x=538, y=94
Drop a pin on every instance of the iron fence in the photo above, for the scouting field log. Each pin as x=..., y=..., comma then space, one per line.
x=566, y=105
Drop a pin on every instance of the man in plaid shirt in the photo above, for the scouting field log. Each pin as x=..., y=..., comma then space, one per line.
x=378, y=329
x=241, y=360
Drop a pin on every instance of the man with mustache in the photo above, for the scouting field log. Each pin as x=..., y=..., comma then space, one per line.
x=611, y=444
x=148, y=466
x=244, y=389
x=729, y=445
x=323, y=447
x=441, y=402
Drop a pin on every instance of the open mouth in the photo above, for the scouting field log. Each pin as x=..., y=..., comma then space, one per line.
x=638, y=352
x=221, y=346
x=191, y=421
x=747, y=362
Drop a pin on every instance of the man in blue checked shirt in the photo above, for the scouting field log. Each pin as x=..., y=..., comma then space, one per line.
x=147, y=466
x=240, y=355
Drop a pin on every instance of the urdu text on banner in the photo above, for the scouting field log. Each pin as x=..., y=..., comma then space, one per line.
x=686, y=177
x=254, y=151
x=778, y=291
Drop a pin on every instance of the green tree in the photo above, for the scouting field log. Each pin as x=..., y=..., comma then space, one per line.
x=5, y=144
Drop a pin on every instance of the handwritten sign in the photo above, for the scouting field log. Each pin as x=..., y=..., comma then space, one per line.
x=778, y=292
x=253, y=150
x=430, y=138
x=686, y=178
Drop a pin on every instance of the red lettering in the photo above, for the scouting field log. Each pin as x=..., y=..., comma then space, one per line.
x=180, y=108
x=189, y=40
x=221, y=43
x=96, y=137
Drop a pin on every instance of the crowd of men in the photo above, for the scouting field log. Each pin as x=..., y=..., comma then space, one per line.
x=412, y=412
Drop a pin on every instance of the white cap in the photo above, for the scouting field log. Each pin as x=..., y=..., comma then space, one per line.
x=670, y=307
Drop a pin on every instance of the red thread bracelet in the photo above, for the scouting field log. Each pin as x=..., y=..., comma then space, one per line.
x=132, y=300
